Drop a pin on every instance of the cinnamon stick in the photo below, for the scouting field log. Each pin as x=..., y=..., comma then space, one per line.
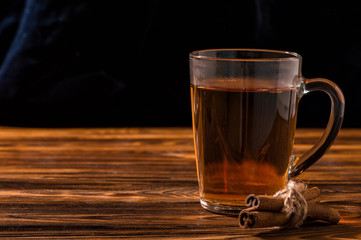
x=261, y=219
x=264, y=202
x=322, y=212
x=270, y=203
x=311, y=193
x=315, y=200
x=249, y=218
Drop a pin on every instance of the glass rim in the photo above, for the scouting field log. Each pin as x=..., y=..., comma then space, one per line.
x=287, y=55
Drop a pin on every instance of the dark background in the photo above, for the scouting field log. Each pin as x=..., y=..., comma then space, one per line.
x=115, y=63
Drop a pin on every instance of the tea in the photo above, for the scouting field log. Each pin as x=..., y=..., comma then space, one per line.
x=243, y=141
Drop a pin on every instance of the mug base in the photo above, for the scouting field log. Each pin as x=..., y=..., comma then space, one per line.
x=221, y=208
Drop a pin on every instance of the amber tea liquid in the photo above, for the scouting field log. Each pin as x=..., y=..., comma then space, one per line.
x=243, y=141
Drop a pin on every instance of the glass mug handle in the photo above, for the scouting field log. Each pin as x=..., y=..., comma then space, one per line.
x=303, y=162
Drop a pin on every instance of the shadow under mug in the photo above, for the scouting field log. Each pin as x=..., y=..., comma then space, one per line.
x=244, y=111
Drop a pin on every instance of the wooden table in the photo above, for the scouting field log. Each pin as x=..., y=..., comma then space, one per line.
x=141, y=183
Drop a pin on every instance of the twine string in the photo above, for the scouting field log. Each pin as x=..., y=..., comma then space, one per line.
x=295, y=205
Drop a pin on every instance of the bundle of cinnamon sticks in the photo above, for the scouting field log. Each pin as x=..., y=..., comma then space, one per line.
x=266, y=211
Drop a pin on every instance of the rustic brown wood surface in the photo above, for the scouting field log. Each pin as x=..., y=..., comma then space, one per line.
x=141, y=183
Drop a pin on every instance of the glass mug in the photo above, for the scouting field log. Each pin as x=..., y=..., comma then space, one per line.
x=244, y=111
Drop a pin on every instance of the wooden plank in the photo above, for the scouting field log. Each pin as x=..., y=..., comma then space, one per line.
x=141, y=183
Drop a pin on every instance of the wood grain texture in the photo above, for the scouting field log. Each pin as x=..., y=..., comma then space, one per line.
x=141, y=183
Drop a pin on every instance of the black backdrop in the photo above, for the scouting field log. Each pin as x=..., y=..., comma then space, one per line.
x=118, y=63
